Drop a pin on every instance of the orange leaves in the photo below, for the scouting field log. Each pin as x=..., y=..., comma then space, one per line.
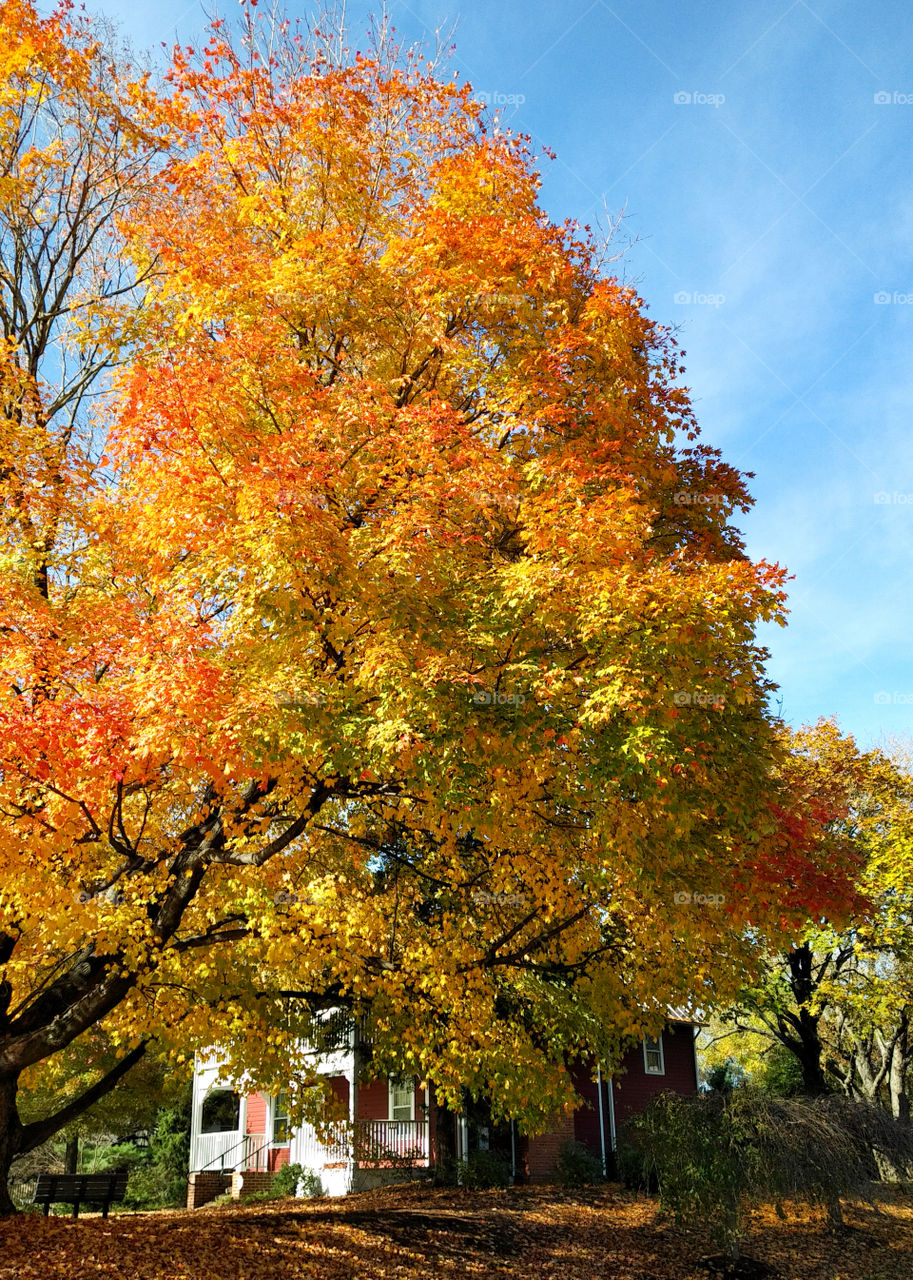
x=404, y=587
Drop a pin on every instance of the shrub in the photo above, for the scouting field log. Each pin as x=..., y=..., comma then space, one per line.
x=310, y=1185
x=631, y=1167
x=483, y=1171
x=714, y=1155
x=285, y=1181
x=725, y=1076
x=577, y=1166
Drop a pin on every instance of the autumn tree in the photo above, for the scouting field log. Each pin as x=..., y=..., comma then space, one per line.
x=839, y=998
x=399, y=655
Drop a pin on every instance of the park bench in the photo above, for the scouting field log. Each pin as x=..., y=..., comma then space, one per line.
x=80, y=1188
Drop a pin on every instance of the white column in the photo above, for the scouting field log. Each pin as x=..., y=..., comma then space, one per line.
x=196, y=1115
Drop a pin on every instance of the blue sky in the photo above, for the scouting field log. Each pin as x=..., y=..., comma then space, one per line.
x=760, y=153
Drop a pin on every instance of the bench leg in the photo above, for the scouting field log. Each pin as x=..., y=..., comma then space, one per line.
x=104, y=1209
x=47, y=1208
x=75, y=1208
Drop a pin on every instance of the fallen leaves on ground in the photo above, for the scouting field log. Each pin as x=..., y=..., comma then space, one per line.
x=414, y=1231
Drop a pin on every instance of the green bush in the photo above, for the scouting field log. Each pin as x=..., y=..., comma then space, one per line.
x=631, y=1166
x=725, y=1076
x=285, y=1181
x=577, y=1166
x=121, y=1155
x=483, y=1171
x=781, y=1073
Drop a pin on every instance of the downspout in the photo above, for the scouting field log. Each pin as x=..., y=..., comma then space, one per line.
x=353, y=1110
x=612, y=1112
x=601, y=1118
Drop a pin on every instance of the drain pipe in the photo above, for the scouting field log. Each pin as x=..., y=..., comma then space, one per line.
x=601, y=1120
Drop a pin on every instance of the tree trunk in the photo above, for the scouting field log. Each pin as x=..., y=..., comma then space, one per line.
x=897, y=1075
x=806, y=1045
x=803, y=1028
x=71, y=1155
x=10, y=1135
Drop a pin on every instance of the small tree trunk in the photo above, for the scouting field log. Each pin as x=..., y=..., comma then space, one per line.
x=835, y=1213
x=71, y=1155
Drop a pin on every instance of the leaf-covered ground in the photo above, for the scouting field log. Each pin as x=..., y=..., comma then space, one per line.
x=411, y=1232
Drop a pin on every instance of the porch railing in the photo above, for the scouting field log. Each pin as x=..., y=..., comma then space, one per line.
x=377, y=1143
x=391, y=1142
x=228, y=1151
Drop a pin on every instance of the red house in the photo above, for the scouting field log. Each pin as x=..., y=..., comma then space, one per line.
x=239, y=1138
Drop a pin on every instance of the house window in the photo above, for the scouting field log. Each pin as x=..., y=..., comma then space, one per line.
x=402, y=1100
x=221, y=1108
x=281, y=1128
x=654, y=1064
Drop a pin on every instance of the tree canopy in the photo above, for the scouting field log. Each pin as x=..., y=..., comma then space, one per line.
x=378, y=637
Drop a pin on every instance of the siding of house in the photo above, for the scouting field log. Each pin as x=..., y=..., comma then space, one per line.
x=632, y=1090
x=374, y=1100
x=538, y=1154
x=634, y=1087
x=256, y=1113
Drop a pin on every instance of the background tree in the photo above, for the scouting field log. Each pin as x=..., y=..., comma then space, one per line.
x=395, y=661
x=840, y=999
x=129, y=1109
